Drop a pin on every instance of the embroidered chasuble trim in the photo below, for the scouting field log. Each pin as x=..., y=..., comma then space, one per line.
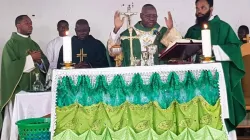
x=147, y=38
x=139, y=40
x=151, y=32
x=132, y=37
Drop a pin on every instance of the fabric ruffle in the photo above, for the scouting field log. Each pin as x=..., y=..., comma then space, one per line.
x=127, y=133
x=138, y=92
x=194, y=115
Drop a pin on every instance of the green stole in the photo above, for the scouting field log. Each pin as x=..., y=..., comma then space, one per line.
x=125, y=43
x=223, y=35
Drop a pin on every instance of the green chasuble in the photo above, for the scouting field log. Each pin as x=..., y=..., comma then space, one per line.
x=223, y=35
x=13, y=80
x=141, y=37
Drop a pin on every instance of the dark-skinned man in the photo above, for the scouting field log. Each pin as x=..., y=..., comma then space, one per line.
x=21, y=58
x=243, y=31
x=146, y=32
x=84, y=43
x=55, y=45
x=226, y=49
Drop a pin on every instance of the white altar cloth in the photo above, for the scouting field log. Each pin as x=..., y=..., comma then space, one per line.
x=29, y=105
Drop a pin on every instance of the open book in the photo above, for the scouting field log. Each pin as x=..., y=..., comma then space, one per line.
x=181, y=49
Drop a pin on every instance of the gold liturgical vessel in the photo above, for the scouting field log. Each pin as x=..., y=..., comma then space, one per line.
x=117, y=51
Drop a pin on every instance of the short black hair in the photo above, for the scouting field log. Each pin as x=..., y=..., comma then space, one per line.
x=62, y=21
x=148, y=5
x=82, y=22
x=210, y=2
x=244, y=27
x=19, y=19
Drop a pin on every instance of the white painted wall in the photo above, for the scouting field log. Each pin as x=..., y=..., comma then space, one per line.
x=100, y=14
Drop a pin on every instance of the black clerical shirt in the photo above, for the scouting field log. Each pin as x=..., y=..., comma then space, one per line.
x=94, y=50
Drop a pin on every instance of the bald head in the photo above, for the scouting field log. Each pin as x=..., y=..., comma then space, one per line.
x=146, y=7
x=82, y=29
x=82, y=22
x=148, y=16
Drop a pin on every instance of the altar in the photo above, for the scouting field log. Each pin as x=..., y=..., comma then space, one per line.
x=146, y=102
x=28, y=105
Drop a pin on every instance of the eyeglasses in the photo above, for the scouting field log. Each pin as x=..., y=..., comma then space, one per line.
x=148, y=16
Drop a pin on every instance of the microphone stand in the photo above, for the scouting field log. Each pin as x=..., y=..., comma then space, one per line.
x=156, y=42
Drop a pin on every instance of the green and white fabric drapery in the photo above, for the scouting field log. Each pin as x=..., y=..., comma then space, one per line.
x=158, y=102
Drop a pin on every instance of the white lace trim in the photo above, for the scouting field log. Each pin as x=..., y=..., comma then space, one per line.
x=145, y=72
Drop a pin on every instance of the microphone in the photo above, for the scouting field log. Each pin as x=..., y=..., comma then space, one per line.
x=158, y=34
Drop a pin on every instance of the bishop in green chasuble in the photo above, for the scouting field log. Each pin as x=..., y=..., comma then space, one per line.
x=224, y=39
x=20, y=63
x=144, y=33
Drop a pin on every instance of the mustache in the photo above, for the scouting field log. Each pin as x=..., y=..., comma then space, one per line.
x=202, y=18
x=199, y=15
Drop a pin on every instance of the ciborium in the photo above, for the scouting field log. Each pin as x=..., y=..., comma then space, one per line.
x=145, y=57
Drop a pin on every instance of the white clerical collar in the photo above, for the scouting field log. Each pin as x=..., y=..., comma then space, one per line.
x=22, y=35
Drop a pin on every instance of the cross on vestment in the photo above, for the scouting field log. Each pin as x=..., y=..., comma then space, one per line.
x=130, y=38
x=247, y=38
x=129, y=14
x=81, y=55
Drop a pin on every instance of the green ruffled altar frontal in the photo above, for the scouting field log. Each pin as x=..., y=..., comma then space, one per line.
x=156, y=104
x=194, y=115
x=127, y=133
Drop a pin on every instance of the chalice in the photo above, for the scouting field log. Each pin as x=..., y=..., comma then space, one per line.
x=145, y=57
x=116, y=50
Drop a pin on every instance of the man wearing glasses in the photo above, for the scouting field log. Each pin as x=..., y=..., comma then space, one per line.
x=145, y=33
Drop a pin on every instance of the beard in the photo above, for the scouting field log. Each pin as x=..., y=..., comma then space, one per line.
x=203, y=19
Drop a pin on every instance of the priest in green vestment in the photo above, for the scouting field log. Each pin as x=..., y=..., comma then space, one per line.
x=226, y=49
x=22, y=58
x=145, y=33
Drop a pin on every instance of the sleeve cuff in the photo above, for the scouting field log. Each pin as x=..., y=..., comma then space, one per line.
x=220, y=55
x=170, y=36
x=114, y=39
x=29, y=64
x=114, y=36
